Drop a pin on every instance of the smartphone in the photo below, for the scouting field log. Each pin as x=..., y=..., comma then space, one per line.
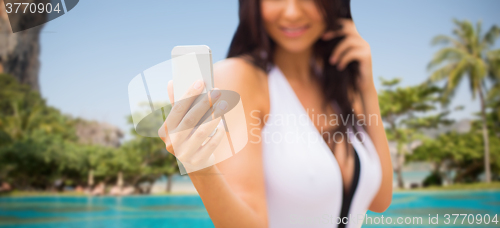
x=191, y=63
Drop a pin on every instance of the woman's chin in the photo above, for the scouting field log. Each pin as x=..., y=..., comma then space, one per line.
x=296, y=48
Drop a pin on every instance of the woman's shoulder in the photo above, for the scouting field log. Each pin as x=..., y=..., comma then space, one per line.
x=238, y=70
x=240, y=75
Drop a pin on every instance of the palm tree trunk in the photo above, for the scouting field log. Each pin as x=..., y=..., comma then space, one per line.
x=399, y=171
x=91, y=178
x=169, y=183
x=487, y=169
x=119, y=180
x=399, y=156
x=400, y=163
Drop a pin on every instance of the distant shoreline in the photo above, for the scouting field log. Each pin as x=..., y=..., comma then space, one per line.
x=457, y=187
x=473, y=187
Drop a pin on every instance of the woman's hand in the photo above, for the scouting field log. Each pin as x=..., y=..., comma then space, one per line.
x=352, y=48
x=193, y=145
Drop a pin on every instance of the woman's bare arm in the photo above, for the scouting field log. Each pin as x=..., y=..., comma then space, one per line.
x=354, y=48
x=236, y=197
x=366, y=103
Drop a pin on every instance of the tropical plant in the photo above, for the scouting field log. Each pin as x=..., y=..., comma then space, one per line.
x=35, y=139
x=155, y=159
x=468, y=55
x=459, y=152
x=39, y=148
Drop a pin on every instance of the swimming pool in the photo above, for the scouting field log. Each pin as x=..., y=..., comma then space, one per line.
x=188, y=210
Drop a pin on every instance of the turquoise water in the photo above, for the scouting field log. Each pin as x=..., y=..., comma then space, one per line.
x=188, y=211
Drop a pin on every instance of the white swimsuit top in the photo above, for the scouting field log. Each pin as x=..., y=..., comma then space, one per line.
x=304, y=185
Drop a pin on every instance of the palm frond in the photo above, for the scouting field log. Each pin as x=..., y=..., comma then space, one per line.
x=441, y=73
x=446, y=96
x=449, y=54
x=465, y=32
x=493, y=60
x=391, y=82
x=480, y=68
x=456, y=75
x=494, y=91
x=491, y=36
x=444, y=40
x=476, y=73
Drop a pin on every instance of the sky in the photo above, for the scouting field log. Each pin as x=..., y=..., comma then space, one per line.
x=90, y=54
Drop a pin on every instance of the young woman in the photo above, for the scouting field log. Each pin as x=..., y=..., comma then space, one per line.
x=292, y=58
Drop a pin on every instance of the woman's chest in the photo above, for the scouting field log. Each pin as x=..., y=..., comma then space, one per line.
x=311, y=98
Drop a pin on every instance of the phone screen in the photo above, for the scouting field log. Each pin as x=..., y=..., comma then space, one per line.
x=187, y=68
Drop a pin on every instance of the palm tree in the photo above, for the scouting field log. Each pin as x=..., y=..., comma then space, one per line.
x=467, y=55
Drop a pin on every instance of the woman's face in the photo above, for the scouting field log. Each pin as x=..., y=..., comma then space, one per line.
x=293, y=24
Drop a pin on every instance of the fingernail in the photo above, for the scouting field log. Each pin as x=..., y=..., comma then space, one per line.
x=213, y=132
x=221, y=123
x=198, y=84
x=222, y=105
x=215, y=93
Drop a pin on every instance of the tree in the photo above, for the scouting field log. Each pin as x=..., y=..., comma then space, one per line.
x=39, y=146
x=23, y=111
x=153, y=160
x=93, y=160
x=468, y=55
x=460, y=152
x=400, y=107
x=36, y=139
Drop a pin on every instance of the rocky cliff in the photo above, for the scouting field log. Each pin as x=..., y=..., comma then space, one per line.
x=19, y=51
x=96, y=133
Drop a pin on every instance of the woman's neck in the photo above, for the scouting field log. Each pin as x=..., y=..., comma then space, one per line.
x=293, y=65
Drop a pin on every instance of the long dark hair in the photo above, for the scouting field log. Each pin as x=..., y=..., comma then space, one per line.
x=252, y=42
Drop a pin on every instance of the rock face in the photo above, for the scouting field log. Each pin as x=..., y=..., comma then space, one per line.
x=19, y=51
x=95, y=133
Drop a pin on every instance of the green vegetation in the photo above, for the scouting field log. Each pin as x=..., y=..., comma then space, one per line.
x=468, y=55
x=39, y=147
x=457, y=157
x=458, y=152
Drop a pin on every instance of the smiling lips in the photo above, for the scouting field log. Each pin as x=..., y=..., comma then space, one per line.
x=293, y=32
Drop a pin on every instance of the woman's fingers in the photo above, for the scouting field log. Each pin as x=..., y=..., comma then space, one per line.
x=178, y=111
x=163, y=134
x=209, y=147
x=347, y=28
x=194, y=147
x=200, y=134
x=196, y=140
x=162, y=131
x=349, y=57
x=170, y=89
x=194, y=115
x=341, y=48
x=332, y=34
x=180, y=108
